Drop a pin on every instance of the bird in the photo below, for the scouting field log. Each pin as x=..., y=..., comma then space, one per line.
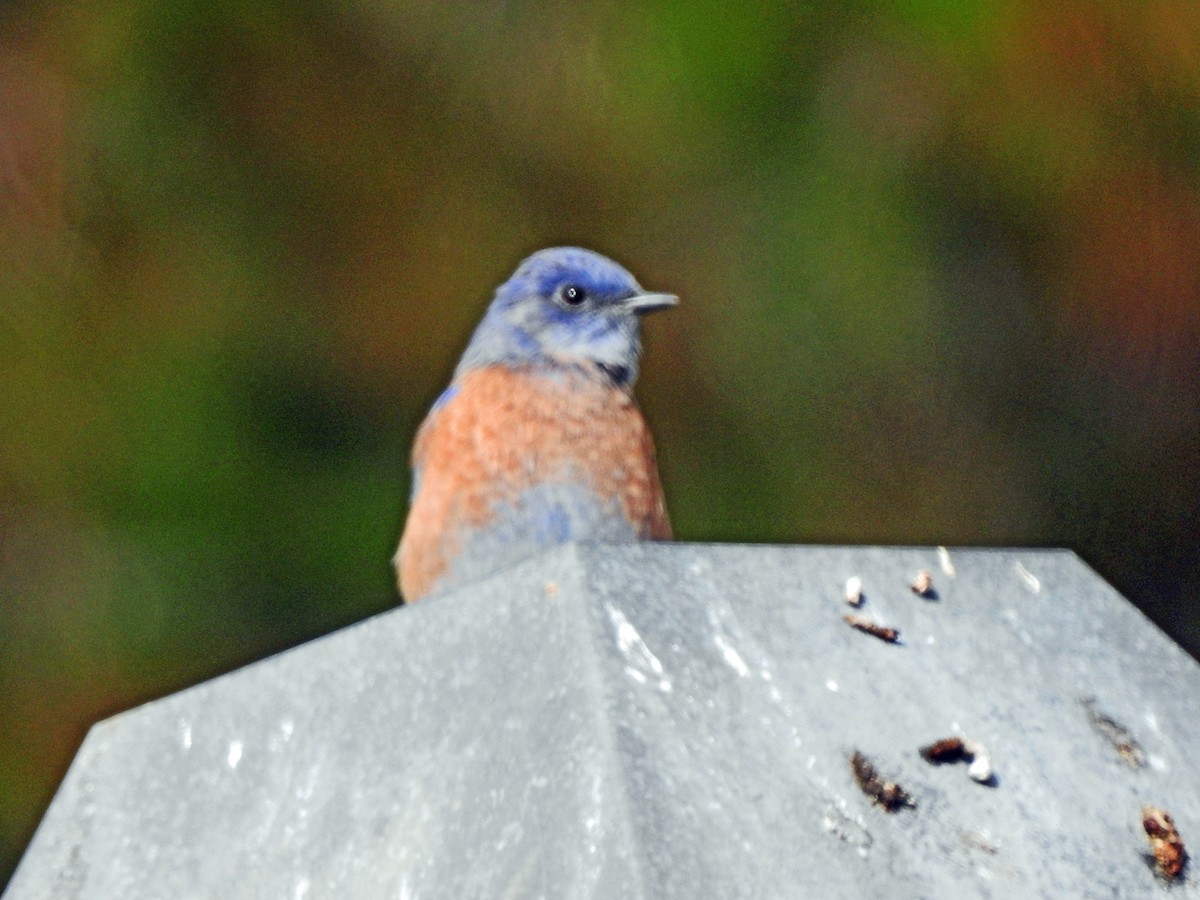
x=538, y=439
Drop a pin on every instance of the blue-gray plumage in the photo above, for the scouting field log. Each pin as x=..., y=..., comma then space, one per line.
x=565, y=307
x=537, y=440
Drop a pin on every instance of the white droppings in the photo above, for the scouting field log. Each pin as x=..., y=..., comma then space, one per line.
x=944, y=561
x=922, y=584
x=732, y=657
x=831, y=685
x=980, y=768
x=287, y=727
x=931, y=640
x=641, y=664
x=979, y=762
x=852, y=593
x=1156, y=762
x=185, y=734
x=235, y=754
x=1028, y=579
x=1152, y=721
x=300, y=891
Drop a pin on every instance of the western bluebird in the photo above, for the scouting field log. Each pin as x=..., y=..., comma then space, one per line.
x=537, y=440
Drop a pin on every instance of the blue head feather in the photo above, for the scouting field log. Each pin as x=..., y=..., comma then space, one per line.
x=565, y=307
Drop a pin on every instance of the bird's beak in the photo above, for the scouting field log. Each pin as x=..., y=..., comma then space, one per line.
x=645, y=303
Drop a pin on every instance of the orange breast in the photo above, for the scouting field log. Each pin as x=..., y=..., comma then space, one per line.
x=505, y=433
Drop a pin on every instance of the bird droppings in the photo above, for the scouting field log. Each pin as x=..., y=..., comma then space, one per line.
x=922, y=585
x=1028, y=579
x=1117, y=735
x=980, y=769
x=887, y=795
x=956, y=749
x=852, y=593
x=869, y=626
x=944, y=751
x=1170, y=856
x=945, y=562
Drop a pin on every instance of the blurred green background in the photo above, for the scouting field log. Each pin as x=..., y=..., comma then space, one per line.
x=940, y=265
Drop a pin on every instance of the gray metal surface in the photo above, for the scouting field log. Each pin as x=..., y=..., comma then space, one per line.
x=658, y=721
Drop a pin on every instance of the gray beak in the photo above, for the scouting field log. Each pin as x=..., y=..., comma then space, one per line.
x=646, y=303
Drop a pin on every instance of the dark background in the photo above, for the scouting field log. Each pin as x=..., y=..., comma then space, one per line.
x=938, y=260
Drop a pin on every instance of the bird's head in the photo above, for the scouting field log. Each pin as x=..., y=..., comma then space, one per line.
x=566, y=307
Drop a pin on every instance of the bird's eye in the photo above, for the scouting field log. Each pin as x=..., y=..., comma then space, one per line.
x=573, y=294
